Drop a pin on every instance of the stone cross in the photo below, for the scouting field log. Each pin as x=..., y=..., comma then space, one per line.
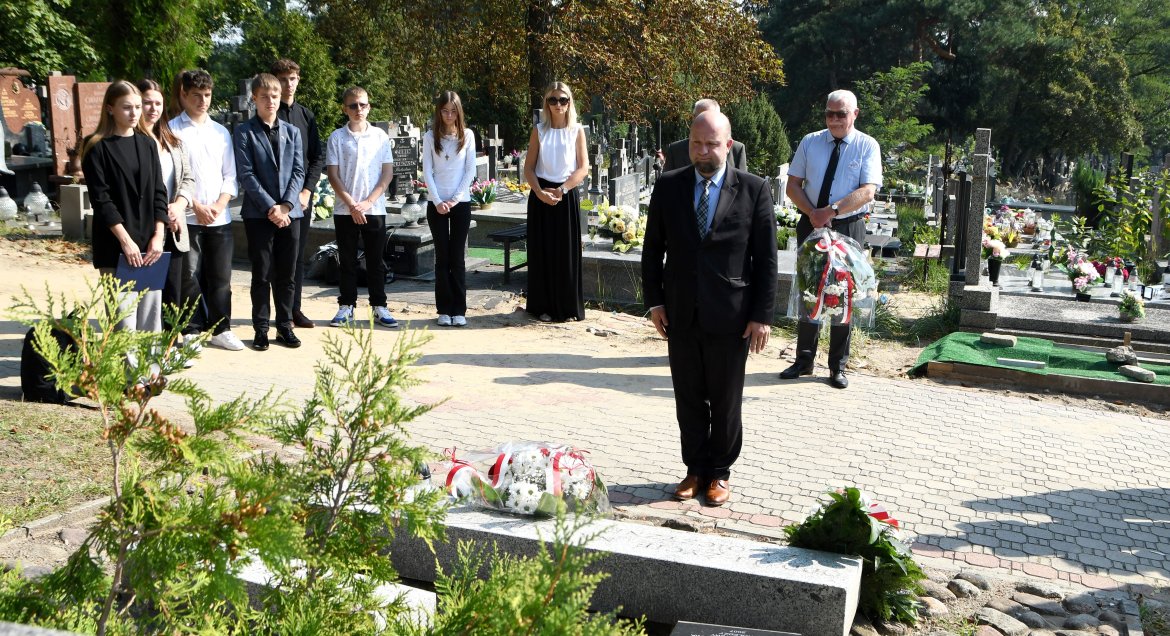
x=634, y=140
x=242, y=107
x=1157, y=240
x=617, y=160
x=492, y=146
x=980, y=168
x=595, y=190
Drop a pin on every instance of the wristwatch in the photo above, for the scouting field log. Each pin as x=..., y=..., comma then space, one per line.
x=836, y=210
x=563, y=190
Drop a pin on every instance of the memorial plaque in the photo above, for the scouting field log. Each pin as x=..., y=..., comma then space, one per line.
x=624, y=191
x=19, y=104
x=89, y=105
x=684, y=628
x=62, y=119
x=482, y=169
x=405, y=152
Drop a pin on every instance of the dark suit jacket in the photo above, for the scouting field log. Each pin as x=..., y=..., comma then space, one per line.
x=727, y=278
x=678, y=155
x=137, y=201
x=256, y=170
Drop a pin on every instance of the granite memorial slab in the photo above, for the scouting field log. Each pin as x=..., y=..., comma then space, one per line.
x=668, y=575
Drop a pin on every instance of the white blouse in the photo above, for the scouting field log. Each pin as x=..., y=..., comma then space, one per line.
x=448, y=175
x=558, y=153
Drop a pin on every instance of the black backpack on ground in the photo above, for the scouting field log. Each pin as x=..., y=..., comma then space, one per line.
x=35, y=381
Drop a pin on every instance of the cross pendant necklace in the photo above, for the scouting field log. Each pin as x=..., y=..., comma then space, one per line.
x=447, y=157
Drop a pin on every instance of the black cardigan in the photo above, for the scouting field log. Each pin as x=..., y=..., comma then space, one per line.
x=137, y=201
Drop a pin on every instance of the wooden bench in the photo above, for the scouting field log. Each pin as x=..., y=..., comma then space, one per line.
x=507, y=237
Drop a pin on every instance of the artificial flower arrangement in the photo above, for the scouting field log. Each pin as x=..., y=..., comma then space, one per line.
x=853, y=524
x=832, y=272
x=484, y=192
x=324, y=198
x=420, y=187
x=625, y=225
x=530, y=478
x=518, y=186
x=1131, y=307
x=787, y=217
x=1080, y=271
x=994, y=248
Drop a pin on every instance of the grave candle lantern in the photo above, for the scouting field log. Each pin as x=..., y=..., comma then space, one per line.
x=1110, y=271
x=1117, y=282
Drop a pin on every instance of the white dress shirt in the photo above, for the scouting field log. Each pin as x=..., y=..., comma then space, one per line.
x=213, y=163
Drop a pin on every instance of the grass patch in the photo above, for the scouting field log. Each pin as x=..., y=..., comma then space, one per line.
x=51, y=457
x=1155, y=622
x=495, y=255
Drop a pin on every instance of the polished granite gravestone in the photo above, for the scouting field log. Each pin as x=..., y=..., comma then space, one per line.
x=669, y=575
x=687, y=628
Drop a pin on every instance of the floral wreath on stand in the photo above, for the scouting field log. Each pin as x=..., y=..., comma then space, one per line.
x=832, y=273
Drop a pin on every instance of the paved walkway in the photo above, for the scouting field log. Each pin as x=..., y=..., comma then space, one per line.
x=1025, y=486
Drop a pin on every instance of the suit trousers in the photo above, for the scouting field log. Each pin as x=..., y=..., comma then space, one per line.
x=302, y=241
x=707, y=371
x=209, y=272
x=273, y=252
x=450, y=234
x=373, y=238
x=807, y=334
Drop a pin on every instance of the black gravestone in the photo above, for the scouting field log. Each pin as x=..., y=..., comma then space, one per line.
x=405, y=153
x=624, y=191
x=684, y=628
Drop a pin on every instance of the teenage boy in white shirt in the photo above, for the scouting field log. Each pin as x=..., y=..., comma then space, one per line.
x=359, y=165
x=213, y=164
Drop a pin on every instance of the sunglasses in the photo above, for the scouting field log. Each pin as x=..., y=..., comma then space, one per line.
x=563, y=101
x=357, y=106
x=836, y=114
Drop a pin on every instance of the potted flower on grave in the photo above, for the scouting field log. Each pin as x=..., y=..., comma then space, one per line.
x=421, y=188
x=1131, y=308
x=994, y=251
x=483, y=193
x=624, y=225
x=1081, y=272
x=323, y=199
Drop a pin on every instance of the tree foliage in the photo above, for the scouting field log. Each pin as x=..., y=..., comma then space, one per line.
x=40, y=39
x=888, y=102
x=754, y=122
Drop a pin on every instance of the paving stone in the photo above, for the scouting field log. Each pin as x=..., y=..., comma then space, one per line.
x=1002, y=622
x=1082, y=622
x=1081, y=604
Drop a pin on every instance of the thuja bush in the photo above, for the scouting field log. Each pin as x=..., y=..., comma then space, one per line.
x=889, y=576
x=190, y=508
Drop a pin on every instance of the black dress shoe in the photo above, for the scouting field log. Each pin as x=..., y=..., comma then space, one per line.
x=260, y=342
x=838, y=380
x=301, y=320
x=286, y=337
x=796, y=370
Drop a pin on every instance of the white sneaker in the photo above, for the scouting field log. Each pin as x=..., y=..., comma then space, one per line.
x=459, y=321
x=344, y=317
x=227, y=340
x=444, y=320
x=382, y=317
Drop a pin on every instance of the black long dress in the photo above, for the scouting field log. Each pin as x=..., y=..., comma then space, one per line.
x=554, y=257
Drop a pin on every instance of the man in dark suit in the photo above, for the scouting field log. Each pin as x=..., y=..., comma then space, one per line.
x=270, y=168
x=713, y=297
x=678, y=154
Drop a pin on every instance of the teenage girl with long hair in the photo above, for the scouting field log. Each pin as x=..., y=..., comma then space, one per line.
x=124, y=177
x=448, y=167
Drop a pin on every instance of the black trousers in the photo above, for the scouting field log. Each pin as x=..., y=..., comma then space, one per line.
x=450, y=235
x=807, y=334
x=273, y=252
x=707, y=371
x=209, y=269
x=302, y=241
x=373, y=238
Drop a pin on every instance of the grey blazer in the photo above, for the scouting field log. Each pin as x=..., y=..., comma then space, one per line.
x=678, y=155
x=184, y=187
x=260, y=184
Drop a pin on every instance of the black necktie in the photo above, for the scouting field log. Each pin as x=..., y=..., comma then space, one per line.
x=830, y=172
x=702, y=209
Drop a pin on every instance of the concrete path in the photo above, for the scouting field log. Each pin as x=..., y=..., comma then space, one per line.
x=1022, y=486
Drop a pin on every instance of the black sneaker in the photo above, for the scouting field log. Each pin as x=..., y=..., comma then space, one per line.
x=286, y=337
x=260, y=341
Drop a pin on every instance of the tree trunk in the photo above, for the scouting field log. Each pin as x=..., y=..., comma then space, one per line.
x=540, y=72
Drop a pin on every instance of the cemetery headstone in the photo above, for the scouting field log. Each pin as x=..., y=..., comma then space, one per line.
x=405, y=153
x=243, y=108
x=624, y=191
x=687, y=628
x=89, y=106
x=980, y=164
x=62, y=119
x=482, y=168
x=18, y=103
x=492, y=146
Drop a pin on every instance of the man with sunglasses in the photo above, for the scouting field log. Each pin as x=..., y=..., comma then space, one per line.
x=678, y=154
x=832, y=180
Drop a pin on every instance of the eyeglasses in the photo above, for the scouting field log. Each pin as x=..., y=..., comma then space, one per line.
x=836, y=114
x=563, y=101
x=358, y=106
